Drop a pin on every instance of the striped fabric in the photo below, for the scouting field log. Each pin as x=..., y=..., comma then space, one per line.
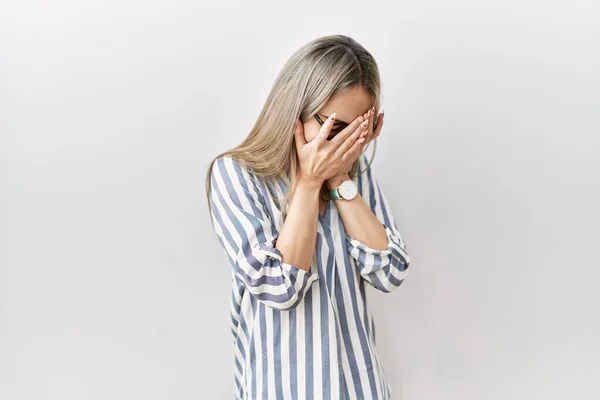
x=299, y=334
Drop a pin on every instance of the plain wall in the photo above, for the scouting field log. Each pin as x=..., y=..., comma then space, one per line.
x=112, y=281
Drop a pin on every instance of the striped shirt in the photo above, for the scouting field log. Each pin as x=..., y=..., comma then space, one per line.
x=302, y=334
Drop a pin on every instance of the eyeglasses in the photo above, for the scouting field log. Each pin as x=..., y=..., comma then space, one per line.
x=337, y=125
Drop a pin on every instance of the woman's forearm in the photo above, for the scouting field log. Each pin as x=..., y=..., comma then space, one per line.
x=297, y=238
x=359, y=220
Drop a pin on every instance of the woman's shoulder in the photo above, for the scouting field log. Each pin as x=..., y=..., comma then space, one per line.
x=238, y=183
x=236, y=177
x=234, y=169
x=247, y=173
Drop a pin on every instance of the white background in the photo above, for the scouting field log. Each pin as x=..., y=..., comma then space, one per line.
x=112, y=282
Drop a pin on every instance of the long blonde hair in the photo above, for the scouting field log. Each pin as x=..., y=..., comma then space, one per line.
x=322, y=68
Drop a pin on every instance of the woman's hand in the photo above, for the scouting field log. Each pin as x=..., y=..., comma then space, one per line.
x=321, y=159
x=371, y=134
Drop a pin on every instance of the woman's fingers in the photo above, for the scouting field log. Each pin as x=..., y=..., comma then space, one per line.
x=346, y=146
x=341, y=137
x=358, y=133
x=324, y=131
x=354, y=151
x=374, y=129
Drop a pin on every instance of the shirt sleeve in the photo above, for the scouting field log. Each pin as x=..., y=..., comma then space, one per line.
x=384, y=269
x=246, y=233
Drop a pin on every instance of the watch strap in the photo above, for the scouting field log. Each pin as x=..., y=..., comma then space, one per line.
x=334, y=194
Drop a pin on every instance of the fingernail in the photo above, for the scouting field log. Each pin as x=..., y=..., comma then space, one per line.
x=361, y=140
x=332, y=116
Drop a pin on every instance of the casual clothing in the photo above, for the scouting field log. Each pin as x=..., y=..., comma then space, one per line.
x=298, y=334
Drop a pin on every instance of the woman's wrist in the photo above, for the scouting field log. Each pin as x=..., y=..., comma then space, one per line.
x=308, y=181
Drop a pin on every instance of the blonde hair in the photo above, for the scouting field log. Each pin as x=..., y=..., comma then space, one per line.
x=322, y=68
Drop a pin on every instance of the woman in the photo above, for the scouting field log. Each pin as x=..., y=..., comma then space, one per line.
x=301, y=260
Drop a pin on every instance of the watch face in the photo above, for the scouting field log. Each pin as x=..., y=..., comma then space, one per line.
x=348, y=190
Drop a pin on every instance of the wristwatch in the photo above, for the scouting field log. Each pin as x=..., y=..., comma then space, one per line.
x=347, y=191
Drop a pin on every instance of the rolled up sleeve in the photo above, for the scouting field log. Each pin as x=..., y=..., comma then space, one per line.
x=248, y=237
x=384, y=269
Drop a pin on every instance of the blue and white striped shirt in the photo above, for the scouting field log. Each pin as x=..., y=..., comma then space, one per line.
x=302, y=334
